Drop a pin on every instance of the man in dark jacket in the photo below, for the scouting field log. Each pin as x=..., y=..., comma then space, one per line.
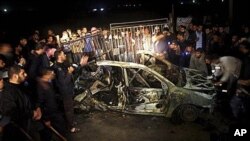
x=65, y=86
x=36, y=64
x=16, y=105
x=48, y=103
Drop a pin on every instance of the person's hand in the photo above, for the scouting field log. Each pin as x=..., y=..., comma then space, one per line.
x=244, y=82
x=84, y=60
x=37, y=114
x=210, y=77
x=47, y=123
x=70, y=69
x=22, y=62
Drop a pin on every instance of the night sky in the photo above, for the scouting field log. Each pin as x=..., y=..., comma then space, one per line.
x=72, y=13
x=27, y=15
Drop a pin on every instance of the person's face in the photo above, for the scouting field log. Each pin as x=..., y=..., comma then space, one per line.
x=190, y=26
x=105, y=32
x=207, y=31
x=182, y=29
x=50, y=39
x=79, y=32
x=208, y=61
x=65, y=34
x=84, y=30
x=234, y=38
x=173, y=46
x=216, y=38
x=18, y=48
x=189, y=49
x=197, y=54
x=137, y=33
x=63, y=56
x=23, y=42
x=22, y=76
x=200, y=28
x=180, y=37
x=221, y=29
x=194, y=27
x=35, y=37
x=146, y=31
x=41, y=51
x=50, y=32
x=215, y=28
x=2, y=64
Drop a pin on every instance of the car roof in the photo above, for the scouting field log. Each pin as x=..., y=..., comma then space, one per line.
x=131, y=65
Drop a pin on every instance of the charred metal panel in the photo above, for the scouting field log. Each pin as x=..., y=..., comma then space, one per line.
x=147, y=99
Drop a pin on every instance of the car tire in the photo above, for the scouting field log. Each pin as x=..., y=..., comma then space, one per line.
x=185, y=113
x=188, y=113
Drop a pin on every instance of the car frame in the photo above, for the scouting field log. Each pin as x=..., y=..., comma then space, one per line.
x=167, y=99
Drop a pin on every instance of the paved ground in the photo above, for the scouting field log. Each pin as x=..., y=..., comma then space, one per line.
x=112, y=126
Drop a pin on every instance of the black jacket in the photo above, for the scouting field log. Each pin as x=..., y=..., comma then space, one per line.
x=47, y=99
x=16, y=105
x=64, y=80
x=34, y=66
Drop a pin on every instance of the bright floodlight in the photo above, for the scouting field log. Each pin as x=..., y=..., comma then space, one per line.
x=182, y=2
x=102, y=9
x=94, y=10
x=5, y=10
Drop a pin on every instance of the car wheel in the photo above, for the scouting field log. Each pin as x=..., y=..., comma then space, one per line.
x=188, y=113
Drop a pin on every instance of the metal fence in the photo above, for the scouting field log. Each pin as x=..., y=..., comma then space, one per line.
x=129, y=37
x=94, y=45
x=121, y=44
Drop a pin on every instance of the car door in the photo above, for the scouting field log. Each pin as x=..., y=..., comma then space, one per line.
x=146, y=94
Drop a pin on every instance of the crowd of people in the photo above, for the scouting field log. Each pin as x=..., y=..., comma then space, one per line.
x=220, y=55
x=37, y=89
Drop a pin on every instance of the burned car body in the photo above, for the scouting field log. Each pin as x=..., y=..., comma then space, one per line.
x=137, y=89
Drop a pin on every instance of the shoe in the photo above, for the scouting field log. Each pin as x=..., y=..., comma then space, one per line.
x=74, y=130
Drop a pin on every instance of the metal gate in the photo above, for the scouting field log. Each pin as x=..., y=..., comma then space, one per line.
x=94, y=45
x=128, y=37
x=121, y=44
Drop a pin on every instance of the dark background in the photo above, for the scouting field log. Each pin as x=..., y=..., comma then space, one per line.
x=25, y=16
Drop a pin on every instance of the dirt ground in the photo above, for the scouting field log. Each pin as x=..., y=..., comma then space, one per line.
x=113, y=126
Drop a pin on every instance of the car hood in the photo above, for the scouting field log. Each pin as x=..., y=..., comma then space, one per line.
x=195, y=80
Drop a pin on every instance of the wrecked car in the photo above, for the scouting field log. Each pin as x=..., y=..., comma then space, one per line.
x=137, y=89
